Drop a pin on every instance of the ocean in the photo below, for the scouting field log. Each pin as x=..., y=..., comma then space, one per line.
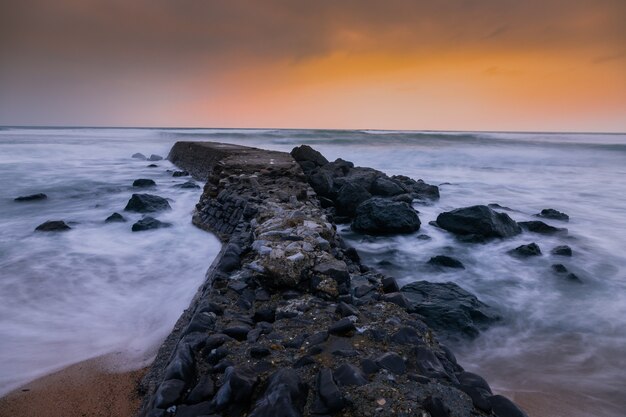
x=101, y=289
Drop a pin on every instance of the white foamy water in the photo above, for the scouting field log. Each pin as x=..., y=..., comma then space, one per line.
x=100, y=288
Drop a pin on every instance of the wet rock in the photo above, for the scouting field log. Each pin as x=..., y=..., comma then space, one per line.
x=378, y=216
x=149, y=223
x=267, y=314
x=446, y=261
x=448, y=308
x=537, y=226
x=503, y=407
x=285, y=396
x=562, y=250
x=386, y=187
x=390, y=285
x=479, y=221
x=436, y=407
x=477, y=388
x=348, y=375
x=238, y=332
x=236, y=390
x=139, y=155
x=559, y=268
x=343, y=327
x=204, y=390
x=397, y=298
x=169, y=393
x=115, y=218
x=147, y=203
x=525, y=251
x=182, y=364
x=306, y=153
x=155, y=157
x=392, y=362
x=180, y=174
x=553, y=214
x=153, y=166
x=32, y=197
x=406, y=336
x=345, y=310
x=143, y=183
x=188, y=185
x=419, y=189
x=428, y=364
x=328, y=398
x=349, y=197
x=53, y=226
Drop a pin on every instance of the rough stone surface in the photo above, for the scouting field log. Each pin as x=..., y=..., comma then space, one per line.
x=147, y=203
x=446, y=261
x=378, y=216
x=480, y=221
x=143, y=183
x=537, y=226
x=115, y=218
x=53, y=226
x=553, y=214
x=149, y=223
x=525, y=251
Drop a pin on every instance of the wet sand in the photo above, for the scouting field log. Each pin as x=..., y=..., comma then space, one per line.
x=86, y=389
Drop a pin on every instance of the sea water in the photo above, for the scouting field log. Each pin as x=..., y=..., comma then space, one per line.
x=100, y=288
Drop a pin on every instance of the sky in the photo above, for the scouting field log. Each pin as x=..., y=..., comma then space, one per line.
x=550, y=65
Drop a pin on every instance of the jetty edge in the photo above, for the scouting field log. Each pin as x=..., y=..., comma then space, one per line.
x=288, y=321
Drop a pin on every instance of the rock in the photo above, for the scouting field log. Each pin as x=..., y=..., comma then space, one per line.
x=204, y=390
x=53, y=226
x=153, y=166
x=346, y=310
x=188, y=185
x=349, y=197
x=406, y=336
x=477, y=389
x=386, y=187
x=419, y=189
x=478, y=220
x=143, y=183
x=147, y=203
x=328, y=398
x=392, y=362
x=390, y=285
x=436, y=407
x=306, y=153
x=180, y=174
x=169, y=393
x=343, y=327
x=258, y=352
x=525, y=251
x=503, y=407
x=396, y=298
x=32, y=197
x=428, y=364
x=139, y=155
x=378, y=216
x=204, y=409
x=348, y=375
x=285, y=396
x=538, y=226
x=149, y=223
x=182, y=364
x=115, y=218
x=267, y=314
x=336, y=269
x=369, y=366
x=559, y=268
x=236, y=389
x=562, y=250
x=553, y=214
x=446, y=261
x=449, y=309
x=155, y=157
x=237, y=332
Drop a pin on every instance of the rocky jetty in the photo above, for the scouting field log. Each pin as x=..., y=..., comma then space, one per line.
x=288, y=322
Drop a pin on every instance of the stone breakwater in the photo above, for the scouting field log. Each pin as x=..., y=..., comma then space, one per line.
x=289, y=322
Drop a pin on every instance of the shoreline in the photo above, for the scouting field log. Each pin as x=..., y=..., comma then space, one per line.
x=91, y=388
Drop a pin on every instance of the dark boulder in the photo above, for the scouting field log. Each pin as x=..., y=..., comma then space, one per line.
x=390, y=285
x=379, y=216
x=446, y=261
x=149, y=223
x=147, y=203
x=537, y=226
x=436, y=407
x=53, y=226
x=449, y=309
x=306, y=153
x=479, y=221
x=348, y=375
x=386, y=187
x=153, y=166
x=553, y=214
x=168, y=393
x=349, y=197
x=139, y=155
x=428, y=363
x=144, y=182
x=32, y=197
x=418, y=189
x=503, y=407
x=188, y=185
x=328, y=399
x=343, y=327
x=525, y=251
x=180, y=174
x=477, y=388
x=204, y=390
x=322, y=183
x=236, y=389
x=562, y=250
x=155, y=157
x=115, y=218
x=285, y=396
x=392, y=362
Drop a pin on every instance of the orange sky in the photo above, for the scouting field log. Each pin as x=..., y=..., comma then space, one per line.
x=397, y=64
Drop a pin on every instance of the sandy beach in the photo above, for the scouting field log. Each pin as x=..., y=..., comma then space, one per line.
x=87, y=389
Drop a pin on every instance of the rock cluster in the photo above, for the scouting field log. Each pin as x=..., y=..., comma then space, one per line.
x=289, y=323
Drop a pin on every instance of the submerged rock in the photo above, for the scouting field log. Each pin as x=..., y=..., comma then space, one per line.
x=180, y=174
x=155, y=157
x=480, y=221
x=446, y=261
x=418, y=189
x=144, y=182
x=147, y=203
x=139, y=155
x=378, y=216
x=448, y=308
x=32, y=197
x=149, y=223
x=540, y=227
x=562, y=250
x=188, y=185
x=553, y=214
x=524, y=251
x=115, y=218
x=53, y=226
